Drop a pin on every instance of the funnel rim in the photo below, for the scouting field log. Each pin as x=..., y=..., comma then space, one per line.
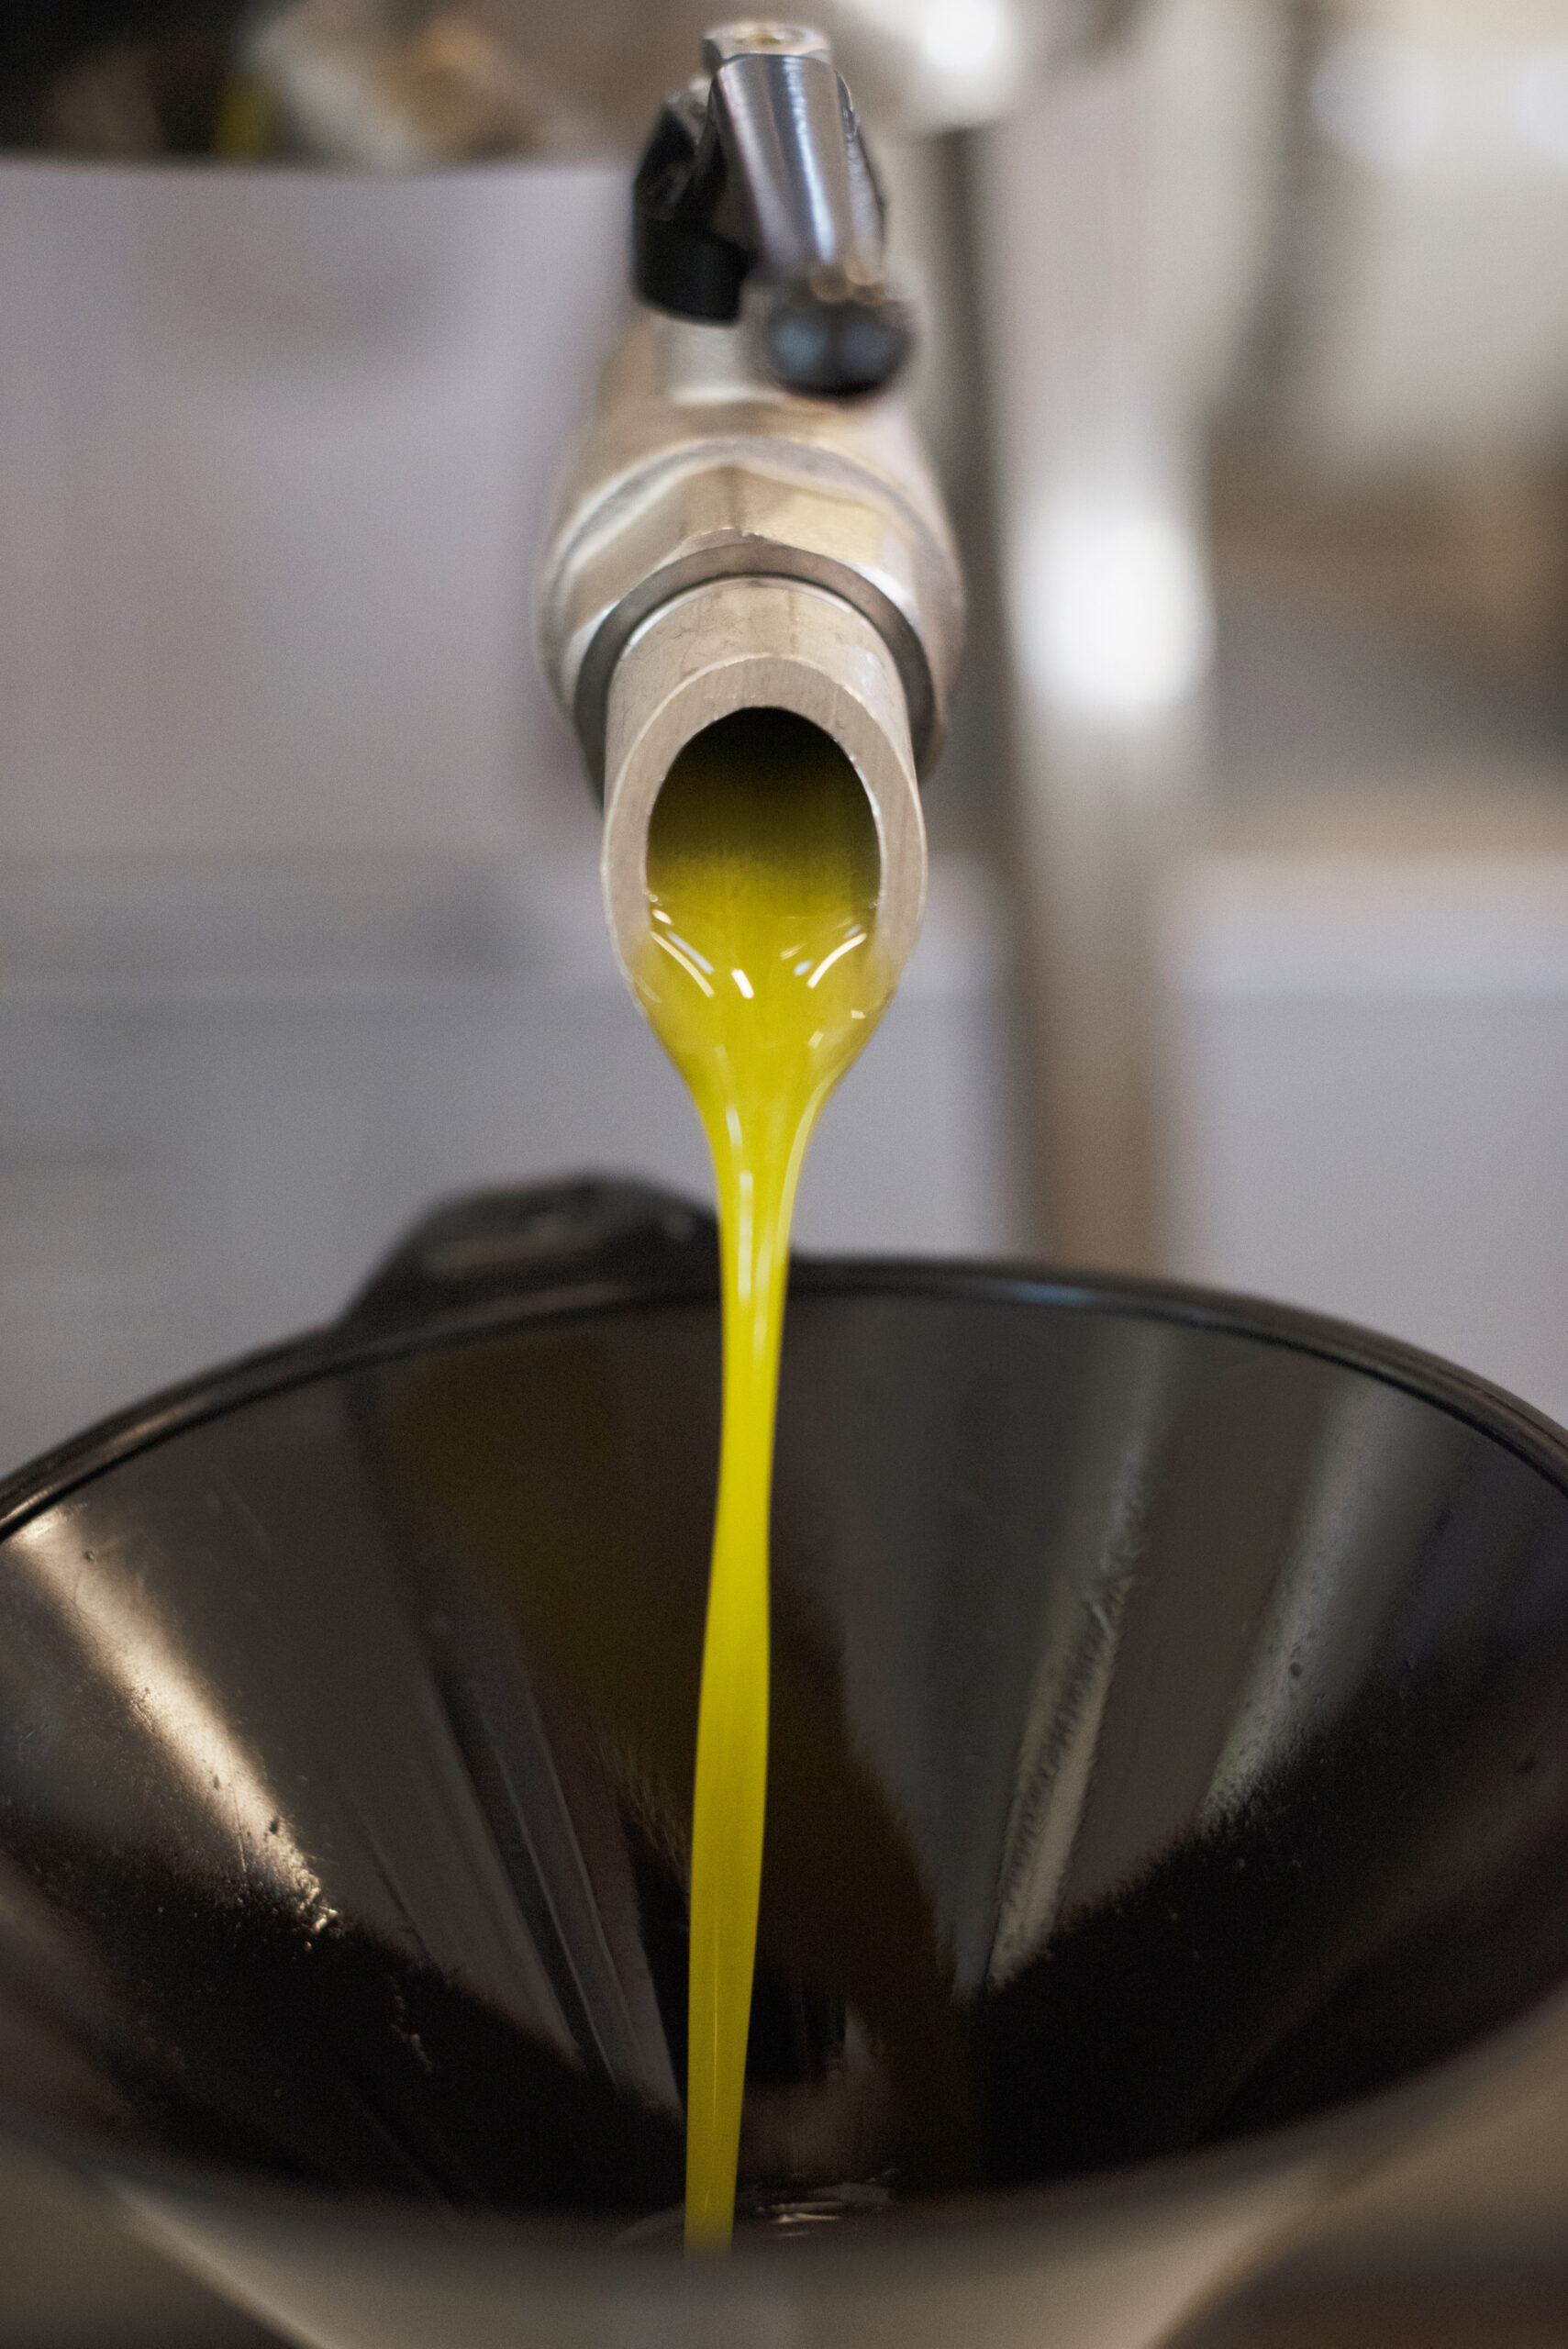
x=355, y=1342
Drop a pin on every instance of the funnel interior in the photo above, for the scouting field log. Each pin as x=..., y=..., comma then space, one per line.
x=1170, y=1741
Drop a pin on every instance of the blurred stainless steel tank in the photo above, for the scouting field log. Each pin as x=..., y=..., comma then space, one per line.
x=277, y=441
x=374, y=84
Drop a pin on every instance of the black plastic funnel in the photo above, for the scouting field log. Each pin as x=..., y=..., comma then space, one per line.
x=1169, y=1793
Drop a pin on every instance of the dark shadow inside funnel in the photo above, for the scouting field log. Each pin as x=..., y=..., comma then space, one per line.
x=1309, y=1953
x=1168, y=1740
x=326, y=2058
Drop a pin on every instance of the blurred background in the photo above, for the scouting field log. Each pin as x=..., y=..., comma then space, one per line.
x=1246, y=366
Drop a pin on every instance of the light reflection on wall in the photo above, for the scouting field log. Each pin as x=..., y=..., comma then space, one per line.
x=1403, y=104
x=1112, y=599
x=967, y=60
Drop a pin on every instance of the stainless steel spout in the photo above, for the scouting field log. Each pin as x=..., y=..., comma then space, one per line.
x=749, y=520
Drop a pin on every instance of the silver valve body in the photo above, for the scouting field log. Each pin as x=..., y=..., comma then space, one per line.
x=728, y=538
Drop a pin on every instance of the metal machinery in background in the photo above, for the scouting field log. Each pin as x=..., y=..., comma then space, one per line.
x=401, y=84
x=756, y=183
x=278, y=425
x=284, y=798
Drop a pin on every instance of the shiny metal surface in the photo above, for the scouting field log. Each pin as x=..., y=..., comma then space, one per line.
x=749, y=520
x=756, y=198
x=782, y=117
x=692, y=467
x=1169, y=1792
x=404, y=85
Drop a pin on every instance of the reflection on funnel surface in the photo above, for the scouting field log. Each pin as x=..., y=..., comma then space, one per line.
x=1128, y=1405
x=1353, y=1544
x=107, y=1607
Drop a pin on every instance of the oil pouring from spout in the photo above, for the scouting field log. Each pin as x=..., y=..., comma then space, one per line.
x=764, y=868
x=752, y=612
x=762, y=978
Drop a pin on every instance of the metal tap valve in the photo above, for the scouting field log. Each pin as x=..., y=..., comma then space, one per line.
x=748, y=519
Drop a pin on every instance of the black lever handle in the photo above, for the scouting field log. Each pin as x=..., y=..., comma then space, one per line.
x=583, y=1231
x=757, y=192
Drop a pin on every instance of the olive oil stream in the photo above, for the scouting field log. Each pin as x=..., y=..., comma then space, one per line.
x=762, y=979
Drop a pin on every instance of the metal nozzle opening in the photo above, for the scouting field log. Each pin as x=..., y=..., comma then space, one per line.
x=760, y=645
x=766, y=758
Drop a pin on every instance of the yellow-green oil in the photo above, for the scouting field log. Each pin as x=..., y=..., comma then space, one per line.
x=762, y=980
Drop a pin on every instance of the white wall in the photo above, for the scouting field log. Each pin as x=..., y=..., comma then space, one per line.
x=274, y=451
x=1366, y=1103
